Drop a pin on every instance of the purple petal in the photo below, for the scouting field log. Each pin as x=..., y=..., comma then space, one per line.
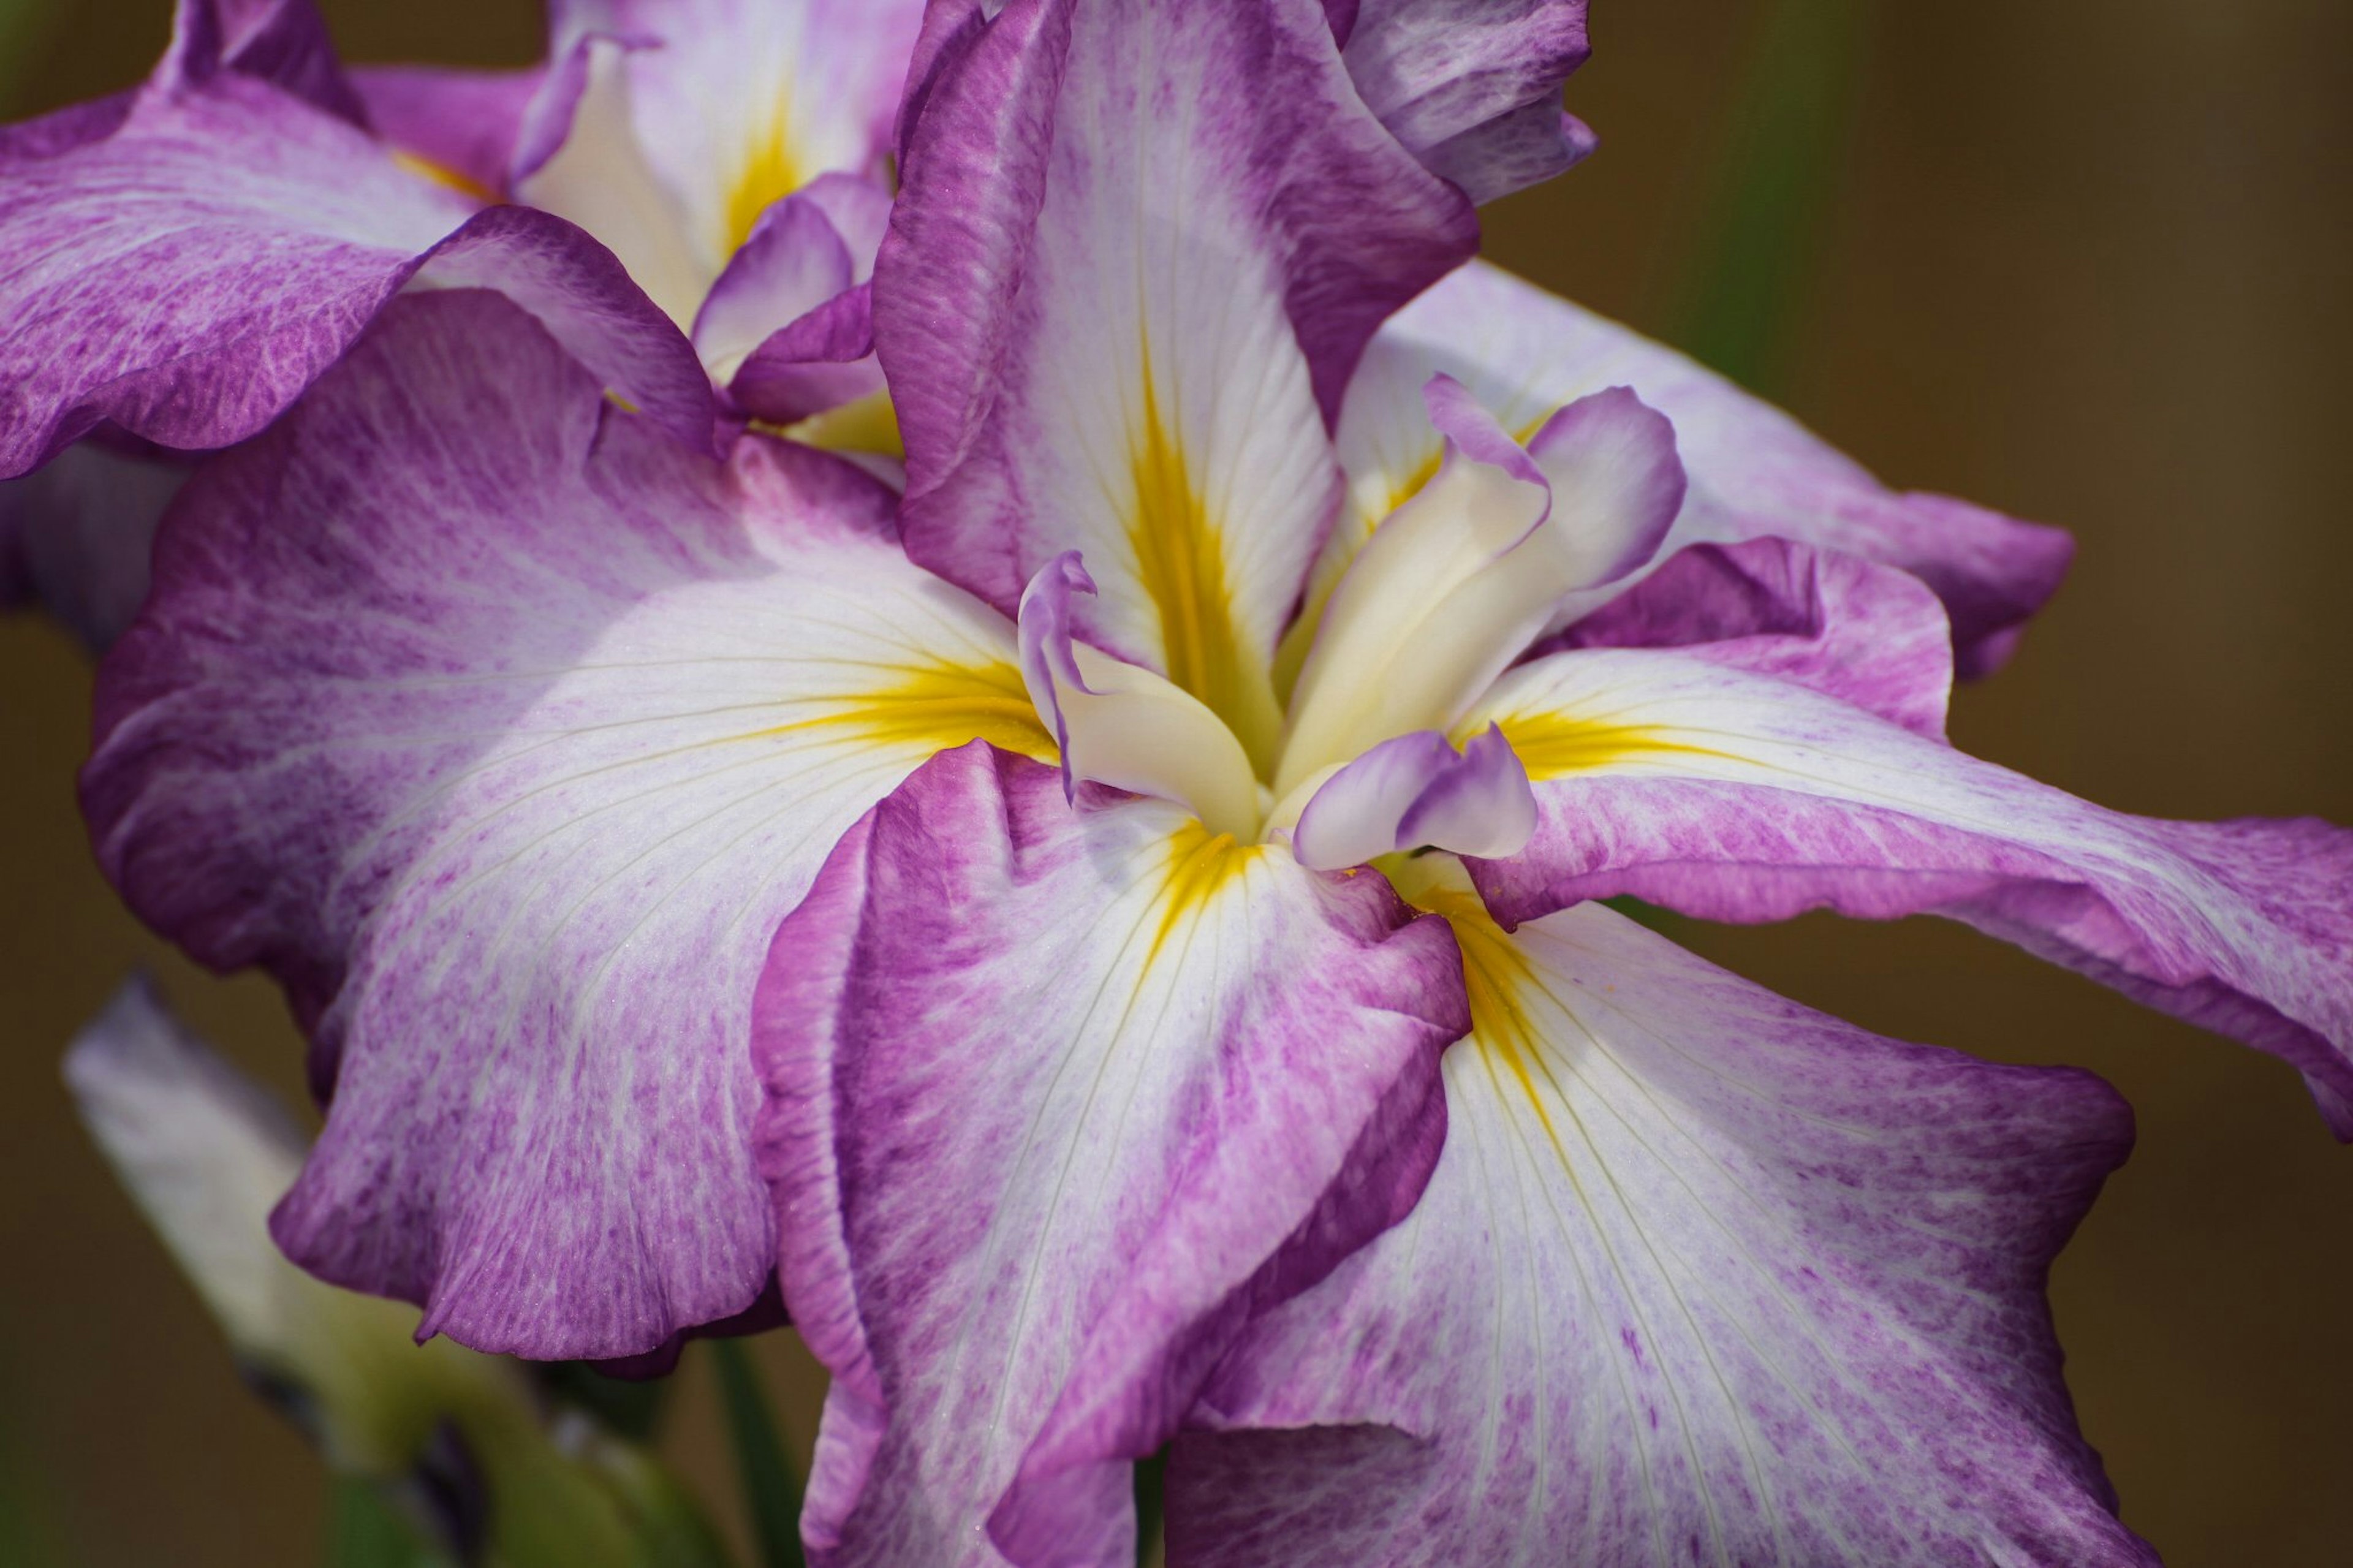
x=503, y=730
x=1754, y=471
x=282, y=42
x=1701, y=1276
x=1414, y=791
x=1136, y=256
x=1054, y=1104
x=789, y=325
x=75, y=535
x=1731, y=795
x=189, y=276
x=1472, y=87
x=467, y=123
x=1873, y=635
x=1618, y=480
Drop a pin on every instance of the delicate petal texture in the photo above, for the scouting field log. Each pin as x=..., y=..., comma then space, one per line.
x=204, y=1153
x=187, y=276
x=1136, y=254
x=1871, y=635
x=1701, y=1278
x=1731, y=796
x=463, y=125
x=1122, y=725
x=1057, y=1098
x=1415, y=791
x=503, y=730
x=1473, y=87
x=1459, y=581
x=75, y=534
x=1753, y=471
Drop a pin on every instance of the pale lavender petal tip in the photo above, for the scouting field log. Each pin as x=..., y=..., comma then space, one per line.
x=1614, y=466
x=1415, y=791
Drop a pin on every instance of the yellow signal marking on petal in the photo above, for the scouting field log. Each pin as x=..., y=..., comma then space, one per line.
x=1180, y=560
x=1200, y=864
x=868, y=424
x=1552, y=745
x=937, y=708
x=1495, y=976
x=769, y=173
x=443, y=175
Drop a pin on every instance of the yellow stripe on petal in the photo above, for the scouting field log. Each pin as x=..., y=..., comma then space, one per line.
x=769, y=173
x=940, y=707
x=1200, y=864
x=1554, y=745
x=443, y=175
x=1180, y=560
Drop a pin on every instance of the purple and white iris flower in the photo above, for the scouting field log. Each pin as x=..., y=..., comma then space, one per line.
x=1112, y=927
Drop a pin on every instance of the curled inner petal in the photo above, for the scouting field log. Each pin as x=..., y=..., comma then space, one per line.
x=1123, y=725
x=1414, y=791
x=1460, y=580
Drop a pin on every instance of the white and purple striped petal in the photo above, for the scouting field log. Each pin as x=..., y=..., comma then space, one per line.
x=1734, y=796
x=1058, y=1098
x=1701, y=1278
x=502, y=731
x=1136, y=256
x=1755, y=472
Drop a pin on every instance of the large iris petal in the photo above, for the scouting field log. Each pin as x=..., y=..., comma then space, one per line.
x=1058, y=1098
x=1137, y=252
x=504, y=732
x=1734, y=796
x=1701, y=1278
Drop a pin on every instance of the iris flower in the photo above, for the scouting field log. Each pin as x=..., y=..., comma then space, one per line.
x=1113, y=926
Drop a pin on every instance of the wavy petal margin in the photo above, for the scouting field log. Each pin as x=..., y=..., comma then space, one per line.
x=1702, y=1277
x=1755, y=471
x=1057, y=1098
x=503, y=732
x=1731, y=795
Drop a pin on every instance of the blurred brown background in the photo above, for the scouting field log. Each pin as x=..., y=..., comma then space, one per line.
x=2086, y=262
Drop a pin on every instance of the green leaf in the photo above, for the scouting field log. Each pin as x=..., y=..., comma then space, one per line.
x=1151, y=1507
x=365, y=1531
x=627, y=1407
x=1782, y=148
x=772, y=1493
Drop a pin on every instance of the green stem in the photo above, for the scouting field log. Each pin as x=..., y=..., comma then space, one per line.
x=772, y=1495
x=1782, y=146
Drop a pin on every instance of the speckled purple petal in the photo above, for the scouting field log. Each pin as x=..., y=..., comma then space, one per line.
x=1871, y=634
x=502, y=731
x=1754, y=471
x=188, y=275
x=75, y=534
x=1473, y=87
x=1057, y=1098
x=1135, y=254
x=1731, y=795
x=1701, y=1278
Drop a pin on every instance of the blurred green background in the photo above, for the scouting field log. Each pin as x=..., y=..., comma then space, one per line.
x=2086, y=262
